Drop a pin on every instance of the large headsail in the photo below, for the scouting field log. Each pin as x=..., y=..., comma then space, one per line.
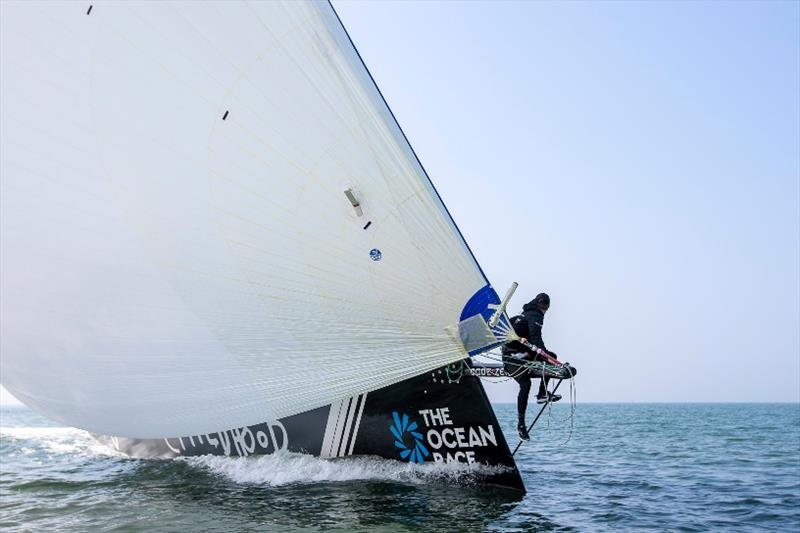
x=210, y=218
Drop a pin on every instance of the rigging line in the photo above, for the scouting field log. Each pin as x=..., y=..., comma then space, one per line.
x=548, y=402
x=573, y=398
x=573, y=403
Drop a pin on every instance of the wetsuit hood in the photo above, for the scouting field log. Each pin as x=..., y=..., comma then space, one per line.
x=541, y=299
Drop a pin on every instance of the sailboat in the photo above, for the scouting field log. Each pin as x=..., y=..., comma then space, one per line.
x=216, y=239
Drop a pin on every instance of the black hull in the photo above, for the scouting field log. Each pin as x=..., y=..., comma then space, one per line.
x=433, y=417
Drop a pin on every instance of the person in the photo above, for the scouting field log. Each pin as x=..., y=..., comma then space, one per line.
x=530, y=322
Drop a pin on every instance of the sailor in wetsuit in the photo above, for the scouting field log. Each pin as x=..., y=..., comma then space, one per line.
x=532, y=313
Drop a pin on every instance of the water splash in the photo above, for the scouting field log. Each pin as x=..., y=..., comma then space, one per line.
x=56, y=440
x=285, y=468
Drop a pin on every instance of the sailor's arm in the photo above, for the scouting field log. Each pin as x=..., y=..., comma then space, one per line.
x=535, y=331
x=544, y=354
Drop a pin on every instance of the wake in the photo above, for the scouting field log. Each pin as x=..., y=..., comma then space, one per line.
x=278, y=469
x=284, y=468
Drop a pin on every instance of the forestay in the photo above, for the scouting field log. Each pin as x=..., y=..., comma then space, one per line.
x=210, y=219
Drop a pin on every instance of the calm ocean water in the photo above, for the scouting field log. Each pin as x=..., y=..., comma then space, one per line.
x=627, y=467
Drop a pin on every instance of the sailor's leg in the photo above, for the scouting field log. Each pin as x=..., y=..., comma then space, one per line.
x=543, y=387
x=524, y=381
x=544, y=396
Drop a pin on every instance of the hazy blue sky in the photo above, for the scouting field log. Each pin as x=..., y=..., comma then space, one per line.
x=638, y=161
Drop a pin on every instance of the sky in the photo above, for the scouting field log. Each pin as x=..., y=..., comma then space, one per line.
x=638, y=161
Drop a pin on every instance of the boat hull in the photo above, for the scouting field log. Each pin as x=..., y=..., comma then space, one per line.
x=441, y=416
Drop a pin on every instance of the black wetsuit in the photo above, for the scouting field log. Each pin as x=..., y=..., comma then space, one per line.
x=535, y=318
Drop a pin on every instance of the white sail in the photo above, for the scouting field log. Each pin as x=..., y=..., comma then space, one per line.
x=179, y=253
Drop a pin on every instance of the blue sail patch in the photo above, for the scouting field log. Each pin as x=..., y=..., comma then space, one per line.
x=473, y=326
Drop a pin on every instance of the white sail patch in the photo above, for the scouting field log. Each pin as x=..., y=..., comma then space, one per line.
x=475, y=334
x=189, y=189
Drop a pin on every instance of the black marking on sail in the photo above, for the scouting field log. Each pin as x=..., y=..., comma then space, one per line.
x=90, y=9
x=368, y=224
x=225, y=115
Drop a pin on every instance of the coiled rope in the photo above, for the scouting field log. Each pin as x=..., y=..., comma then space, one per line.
x=524, y=365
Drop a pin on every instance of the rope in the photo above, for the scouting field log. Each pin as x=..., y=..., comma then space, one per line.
x=525, y=366
x=451, y=371
x=548, y=402
x=573, y=401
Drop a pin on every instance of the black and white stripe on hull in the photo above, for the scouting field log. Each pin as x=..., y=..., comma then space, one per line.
x=344, y=420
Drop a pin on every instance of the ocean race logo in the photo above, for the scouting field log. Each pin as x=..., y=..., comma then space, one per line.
x=443, y=441
x=409, y=441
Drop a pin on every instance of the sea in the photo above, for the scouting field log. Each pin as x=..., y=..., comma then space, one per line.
x=608, y=467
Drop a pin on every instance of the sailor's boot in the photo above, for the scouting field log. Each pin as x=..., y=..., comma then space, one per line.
x=522, y=429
